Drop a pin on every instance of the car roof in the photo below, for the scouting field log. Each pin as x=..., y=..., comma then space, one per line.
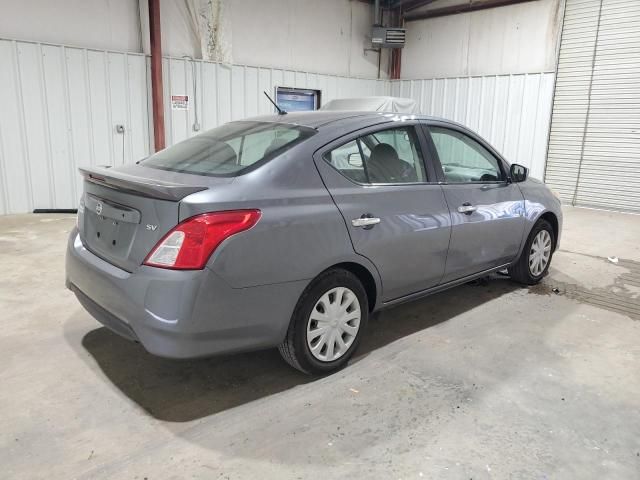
x=324, y=118
x=314, y=119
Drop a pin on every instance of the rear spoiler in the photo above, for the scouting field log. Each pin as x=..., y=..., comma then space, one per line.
x=140, y=186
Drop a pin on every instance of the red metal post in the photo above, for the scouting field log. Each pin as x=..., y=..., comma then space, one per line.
x=157, y=94
x=396, y=53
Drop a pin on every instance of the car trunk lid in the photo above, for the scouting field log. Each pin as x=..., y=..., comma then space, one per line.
x=129, y=209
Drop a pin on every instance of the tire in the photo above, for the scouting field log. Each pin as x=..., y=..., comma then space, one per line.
x=334, y=288
x=522, y=271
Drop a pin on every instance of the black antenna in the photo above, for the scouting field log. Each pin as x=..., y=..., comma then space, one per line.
x=280, y=111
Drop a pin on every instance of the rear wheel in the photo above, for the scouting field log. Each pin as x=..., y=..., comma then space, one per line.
x=534, y=261
x=327, y=323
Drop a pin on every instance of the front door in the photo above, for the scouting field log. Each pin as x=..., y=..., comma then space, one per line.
x=393, y=208
x=487, y=210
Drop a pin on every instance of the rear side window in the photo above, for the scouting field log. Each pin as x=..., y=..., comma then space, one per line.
x=387, y=157
x=230, y=149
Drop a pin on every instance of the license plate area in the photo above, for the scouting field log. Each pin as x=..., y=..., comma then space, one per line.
x=110, y=228
x=111, y=210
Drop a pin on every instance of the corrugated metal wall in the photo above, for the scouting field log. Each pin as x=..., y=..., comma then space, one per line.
x=510, y=111
x=232, y=92
x=61, y=105
x=594, y=147
x=58, y=110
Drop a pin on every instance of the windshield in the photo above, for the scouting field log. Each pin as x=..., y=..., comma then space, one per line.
x=230, y=149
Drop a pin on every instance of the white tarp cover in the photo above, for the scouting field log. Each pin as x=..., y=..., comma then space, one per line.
x=373, y=104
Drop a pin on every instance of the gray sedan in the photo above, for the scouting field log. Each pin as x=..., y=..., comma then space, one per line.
x=290, y=230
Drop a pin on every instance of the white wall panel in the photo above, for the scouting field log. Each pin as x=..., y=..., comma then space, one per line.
x=61, y=105
x=511, y=111
x=233, y=92
x=111, y=25
x=16, y=188
x=328, y=36
x=60, y=108
x=509, y=39
x=594, y=148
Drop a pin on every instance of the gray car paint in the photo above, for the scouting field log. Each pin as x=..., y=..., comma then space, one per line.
x=414, y=220
x=489, y=236
x=245, y=296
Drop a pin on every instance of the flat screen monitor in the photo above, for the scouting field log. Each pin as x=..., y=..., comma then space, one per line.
x=297, y=99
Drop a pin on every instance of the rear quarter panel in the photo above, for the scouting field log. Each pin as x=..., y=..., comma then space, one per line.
x=300, y=233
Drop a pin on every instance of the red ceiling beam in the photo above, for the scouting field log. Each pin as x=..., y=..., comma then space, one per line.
x=462, y=8
x=410, y=4
x=157, y=94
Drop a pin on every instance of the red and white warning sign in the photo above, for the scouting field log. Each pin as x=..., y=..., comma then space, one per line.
x=180, y=102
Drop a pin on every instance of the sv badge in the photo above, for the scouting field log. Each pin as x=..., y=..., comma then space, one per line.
x=151, y=227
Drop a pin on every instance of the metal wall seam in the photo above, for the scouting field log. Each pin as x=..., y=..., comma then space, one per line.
x=535, y=116
x=127, y=128
x=73, y=163
x=148, y=125
x=168, y=116
x=47, y=120
x=521, y=119
x=23, y=127
x=506, y=113
x=586, y=119
x=89, y=103
x=6, y=207
x=187, y=118
x=110, y=126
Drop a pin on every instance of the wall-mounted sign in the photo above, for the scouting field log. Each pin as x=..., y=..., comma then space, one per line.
x=179, y=102
x=297, y=99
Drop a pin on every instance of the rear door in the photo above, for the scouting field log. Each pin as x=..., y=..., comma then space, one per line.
x=487, y=210
x=391, y=203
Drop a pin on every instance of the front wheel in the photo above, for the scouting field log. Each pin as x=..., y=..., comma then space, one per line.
x=327, y=323
x=534, y=261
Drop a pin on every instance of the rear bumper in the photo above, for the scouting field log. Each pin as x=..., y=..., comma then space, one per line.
x=179, y=314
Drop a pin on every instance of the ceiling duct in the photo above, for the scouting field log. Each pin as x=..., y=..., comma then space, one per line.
x=385, y=37
x=388, y=37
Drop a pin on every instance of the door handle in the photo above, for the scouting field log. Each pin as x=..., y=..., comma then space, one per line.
x=467, y=208
x=366, y=221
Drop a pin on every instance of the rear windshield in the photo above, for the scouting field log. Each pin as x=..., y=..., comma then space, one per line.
x=230, y=149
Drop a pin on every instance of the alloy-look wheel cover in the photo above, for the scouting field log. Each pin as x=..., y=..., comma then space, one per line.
x=333, y=324
x=540, y=253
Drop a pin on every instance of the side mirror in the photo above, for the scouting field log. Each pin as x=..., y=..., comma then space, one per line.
x=518, y=173
x=354, y=159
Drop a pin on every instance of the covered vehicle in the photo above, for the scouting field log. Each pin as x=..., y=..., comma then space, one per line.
x=289, y=230
x=373, y=104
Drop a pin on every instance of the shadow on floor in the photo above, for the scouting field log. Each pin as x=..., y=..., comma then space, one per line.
x=180, y=391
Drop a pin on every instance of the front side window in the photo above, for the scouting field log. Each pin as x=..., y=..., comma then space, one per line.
x=388, y=157
x=230, y=149
x=463, y=159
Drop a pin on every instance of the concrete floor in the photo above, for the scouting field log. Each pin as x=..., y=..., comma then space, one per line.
x=486, y=381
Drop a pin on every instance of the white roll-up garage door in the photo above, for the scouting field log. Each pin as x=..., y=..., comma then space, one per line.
x=594, y=144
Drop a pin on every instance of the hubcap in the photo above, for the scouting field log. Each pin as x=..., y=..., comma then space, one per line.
x=333, y=324
x=540, y=253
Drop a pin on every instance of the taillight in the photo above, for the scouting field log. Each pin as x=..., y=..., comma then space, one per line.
x=189, y=245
